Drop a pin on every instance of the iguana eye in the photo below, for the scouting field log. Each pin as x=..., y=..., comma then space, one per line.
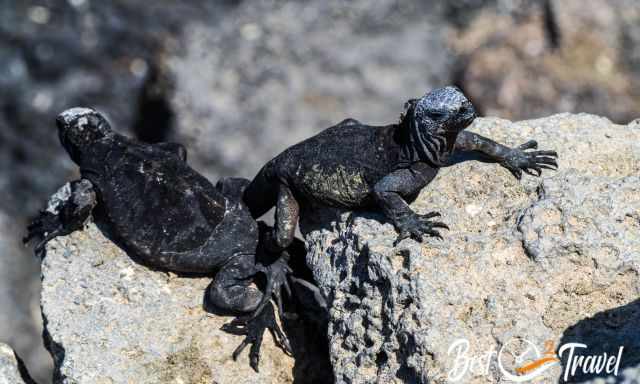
x=437, y=115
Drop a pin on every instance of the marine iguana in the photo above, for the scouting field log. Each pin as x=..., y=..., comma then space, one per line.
x=167, y=216
x=354, y=165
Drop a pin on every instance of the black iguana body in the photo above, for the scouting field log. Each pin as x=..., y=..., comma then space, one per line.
x=354, y=165
x=167, y=216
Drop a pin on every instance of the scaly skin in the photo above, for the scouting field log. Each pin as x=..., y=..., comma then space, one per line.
x=354, y=165
x=168, y=216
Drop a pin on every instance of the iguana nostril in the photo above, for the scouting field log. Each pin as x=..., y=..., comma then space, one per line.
x=467, y=110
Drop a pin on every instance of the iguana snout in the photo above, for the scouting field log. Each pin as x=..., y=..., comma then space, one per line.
x=79, y=128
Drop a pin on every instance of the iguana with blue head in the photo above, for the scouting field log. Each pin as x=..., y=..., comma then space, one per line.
x=357, y=166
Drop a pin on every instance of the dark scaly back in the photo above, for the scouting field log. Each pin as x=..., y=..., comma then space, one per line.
x=150, y=197
x=155, y=201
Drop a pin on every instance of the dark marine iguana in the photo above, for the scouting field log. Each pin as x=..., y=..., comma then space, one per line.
x=167, y=216
x=354, y=165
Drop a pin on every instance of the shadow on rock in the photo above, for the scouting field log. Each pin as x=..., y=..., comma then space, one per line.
x=307, y=333
x=604, y=333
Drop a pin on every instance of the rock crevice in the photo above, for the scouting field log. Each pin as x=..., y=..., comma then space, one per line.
x=12, y=370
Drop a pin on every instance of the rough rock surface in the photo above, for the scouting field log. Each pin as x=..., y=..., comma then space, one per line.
x=110, y=320
x=555, y=258
x=9, y=372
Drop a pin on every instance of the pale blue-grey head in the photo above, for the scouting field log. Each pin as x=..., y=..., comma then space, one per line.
x=433, y=122
x=445, y=108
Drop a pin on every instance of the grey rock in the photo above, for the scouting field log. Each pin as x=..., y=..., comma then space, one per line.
x=555, y=258
x=9, y=372
x=110, y=320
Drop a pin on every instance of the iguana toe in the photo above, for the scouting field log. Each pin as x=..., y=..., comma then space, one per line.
x=276, y=274
x=253, y=329
x=416, y=226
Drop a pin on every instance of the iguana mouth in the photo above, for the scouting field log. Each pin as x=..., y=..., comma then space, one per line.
x=466, y=119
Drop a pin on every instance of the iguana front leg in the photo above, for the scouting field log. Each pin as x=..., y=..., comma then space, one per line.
x=67, y=210
x=276, y=241
x=391, y=193
x=516, y=160
x=287, y=215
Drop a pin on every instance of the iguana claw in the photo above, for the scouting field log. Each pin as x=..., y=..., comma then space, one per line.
x=276, y=274
x=253, y=328
x=531, y=163
x=416, y=226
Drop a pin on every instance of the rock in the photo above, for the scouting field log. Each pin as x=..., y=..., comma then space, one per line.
x=9, y=373
x=555, y=258
x=110, y=320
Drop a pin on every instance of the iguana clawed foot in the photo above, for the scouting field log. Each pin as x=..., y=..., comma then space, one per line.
x=415, y=226
x=276, y=274
x=532, y=163
x=253, y=327
x=67, y=211
x=44, y=227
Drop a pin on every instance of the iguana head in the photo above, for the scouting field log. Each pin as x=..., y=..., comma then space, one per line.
x=444, y=109
x=432, y=123
x=80, y=128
